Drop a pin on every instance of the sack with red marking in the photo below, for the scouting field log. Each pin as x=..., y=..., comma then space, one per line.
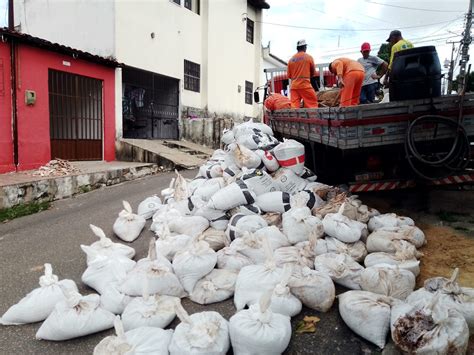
x=290, y=154
x=270, y=162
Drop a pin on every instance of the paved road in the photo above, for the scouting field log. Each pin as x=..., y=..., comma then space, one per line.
x=55, y=235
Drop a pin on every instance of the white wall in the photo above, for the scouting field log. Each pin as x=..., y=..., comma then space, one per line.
x=232, y=60
x=87, y=25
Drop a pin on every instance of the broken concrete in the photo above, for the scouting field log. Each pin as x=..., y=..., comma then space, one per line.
x=28, y=188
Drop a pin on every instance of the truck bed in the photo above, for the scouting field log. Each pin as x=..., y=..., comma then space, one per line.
x=371, y=125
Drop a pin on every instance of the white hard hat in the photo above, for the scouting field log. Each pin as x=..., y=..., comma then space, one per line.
x=301, y=42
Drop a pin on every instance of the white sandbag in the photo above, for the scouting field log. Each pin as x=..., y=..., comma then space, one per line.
x=382, y=239
x=209, y=188
x=250, y=126
x=217, y=219
x=356, y=250
x=273, y=219
x=313, y=288
x=389, y=220
x=250, y=209
x=149, y=311
x=341, y=268
x=164, y=214
x=298, y=223
x=128, y=225
x=241, y=223
x=149, y=206
x=343, y=228
x=290, y=154
x=169, y=191
x=217, y=239
x=270, y=162
x=429, y=328
x=38, y=304
x=302, y=254
x=227, y=136
x=181, y=191
x=258, y=330
x=75, y=317
x=257, y=140
x=217, y=286
x=452, y=295
x=104, y=270
x=276, y=201
x=266, y=276
x=286, y=180
x=140, y=341
x=105, y=246
x=405, y=257
x=282, y=301
x=157, y=271
x=308, y=175
x=233, y=195
x=189, y=225
x=245, y=158
x=211, y=170
x=230, y=259
x=193, y=263
x=168, y=245
x=200, y=333
x=252, y=244
x=367, y=314
x=258, y=181
x=231, y=172
x=306, y=198
x=113, y=300
x=388, y=280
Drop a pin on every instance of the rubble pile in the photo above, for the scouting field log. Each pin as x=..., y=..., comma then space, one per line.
x=56, y=167
x=255, y=225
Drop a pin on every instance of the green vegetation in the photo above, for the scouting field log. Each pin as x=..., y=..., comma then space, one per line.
x=450, y=217
x=25, y=209
x=462, y=229
x=384, y=52
x=470, y=83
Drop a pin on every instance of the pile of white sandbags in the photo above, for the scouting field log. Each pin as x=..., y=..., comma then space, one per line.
x=253, y=225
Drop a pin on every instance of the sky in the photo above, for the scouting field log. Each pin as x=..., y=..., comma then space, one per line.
x=352, y=22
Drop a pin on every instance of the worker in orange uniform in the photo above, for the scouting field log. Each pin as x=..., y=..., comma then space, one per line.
x=350, y=76
x=300, y=70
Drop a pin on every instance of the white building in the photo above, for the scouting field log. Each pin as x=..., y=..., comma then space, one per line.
x=270, y=61
x=183, y=58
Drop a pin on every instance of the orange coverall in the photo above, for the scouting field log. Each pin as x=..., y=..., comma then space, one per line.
x=352, y=73
x=300, y=70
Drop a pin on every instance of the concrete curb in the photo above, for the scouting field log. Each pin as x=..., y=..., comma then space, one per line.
x=51, y=189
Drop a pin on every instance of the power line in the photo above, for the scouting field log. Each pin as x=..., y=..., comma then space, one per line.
x=351, y=30
x=409, y=8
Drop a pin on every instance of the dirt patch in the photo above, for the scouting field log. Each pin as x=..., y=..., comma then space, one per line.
x=445, y=250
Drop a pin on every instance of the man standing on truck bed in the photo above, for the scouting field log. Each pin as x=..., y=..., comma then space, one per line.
x=350, y=75
x=397, y=44
x=370, y=63
x=300, y=70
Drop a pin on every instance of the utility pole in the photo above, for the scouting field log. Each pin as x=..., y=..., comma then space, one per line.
x=11, y=18
x=451, y=70
x=465, y=42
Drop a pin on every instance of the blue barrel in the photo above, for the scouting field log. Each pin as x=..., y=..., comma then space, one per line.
x=415, y=74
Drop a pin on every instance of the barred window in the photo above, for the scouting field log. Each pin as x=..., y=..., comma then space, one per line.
x=192, y=76
x=248, y=92
x=250, y=25
x=193, y=5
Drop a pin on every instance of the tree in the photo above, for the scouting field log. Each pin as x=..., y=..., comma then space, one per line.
x=470, y=83
x=384, y=52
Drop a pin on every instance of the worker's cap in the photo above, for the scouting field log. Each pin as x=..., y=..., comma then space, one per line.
x=365, y=47
x=301, y=42
x=394, y=33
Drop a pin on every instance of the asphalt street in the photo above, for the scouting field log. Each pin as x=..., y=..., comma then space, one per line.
x=55, y=236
